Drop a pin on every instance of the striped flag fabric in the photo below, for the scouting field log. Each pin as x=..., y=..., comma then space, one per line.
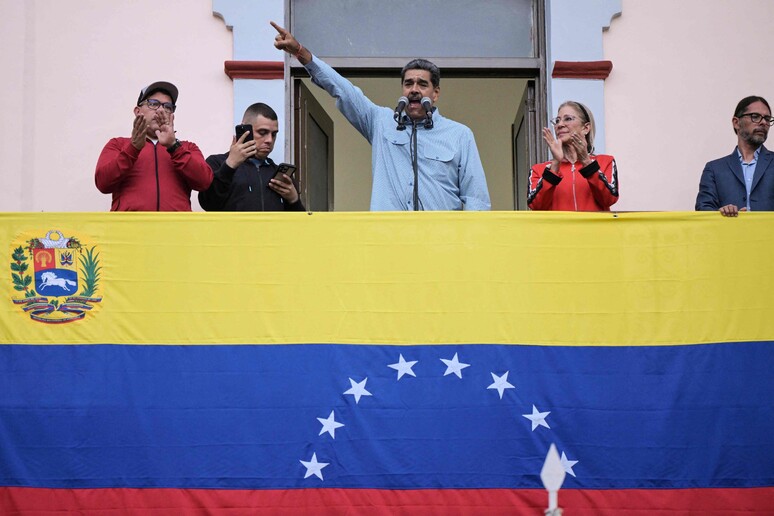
x=386, y=363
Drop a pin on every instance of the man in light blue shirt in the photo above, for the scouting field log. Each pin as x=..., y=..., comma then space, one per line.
x=748, y=169
x=449, y=171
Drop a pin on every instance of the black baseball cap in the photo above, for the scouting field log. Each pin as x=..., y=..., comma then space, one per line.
x=167, y=87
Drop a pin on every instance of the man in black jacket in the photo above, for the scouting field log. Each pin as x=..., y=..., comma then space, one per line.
x=245, y=176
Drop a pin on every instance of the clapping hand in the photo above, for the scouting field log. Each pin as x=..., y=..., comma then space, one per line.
x=165, y=134
x=555, y=146
x=578, y=143
x=139, y=130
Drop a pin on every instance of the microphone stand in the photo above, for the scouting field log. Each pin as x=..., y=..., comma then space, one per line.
x=428, y=105
x=401, y=125
x=428, y=124
x=397, y=116
x=429, y=120
x=414, y=164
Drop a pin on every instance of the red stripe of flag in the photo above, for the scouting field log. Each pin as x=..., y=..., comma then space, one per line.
x=37, y=501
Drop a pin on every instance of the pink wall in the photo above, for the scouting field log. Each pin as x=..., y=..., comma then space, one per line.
x=72, y=70
x=679, y=68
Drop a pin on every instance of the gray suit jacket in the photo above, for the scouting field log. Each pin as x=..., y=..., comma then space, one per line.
x=722, y=183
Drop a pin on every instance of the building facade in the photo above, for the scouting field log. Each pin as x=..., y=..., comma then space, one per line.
x=661, y=78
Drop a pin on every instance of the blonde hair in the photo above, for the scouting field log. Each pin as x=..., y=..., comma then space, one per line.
x=587, y=117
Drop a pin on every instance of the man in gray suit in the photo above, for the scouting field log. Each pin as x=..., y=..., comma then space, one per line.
x=744, y=180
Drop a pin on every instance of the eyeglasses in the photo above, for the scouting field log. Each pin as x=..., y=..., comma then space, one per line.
x=756, y=118
x=566, y=119
x=156, y=104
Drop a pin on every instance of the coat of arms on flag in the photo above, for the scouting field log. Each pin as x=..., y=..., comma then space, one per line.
x=56, y=277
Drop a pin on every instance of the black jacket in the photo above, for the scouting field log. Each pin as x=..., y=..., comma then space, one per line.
x=243, y=189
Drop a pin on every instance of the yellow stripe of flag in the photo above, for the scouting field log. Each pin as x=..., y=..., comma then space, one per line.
x=406, y=278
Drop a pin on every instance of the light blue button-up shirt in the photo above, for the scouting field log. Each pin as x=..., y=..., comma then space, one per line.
x=749, y=172
x=451, y=176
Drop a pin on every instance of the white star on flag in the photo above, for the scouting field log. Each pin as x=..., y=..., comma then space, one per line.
x=329, y=425
x=403, y=367
x=537, y=418
x=357, y=390
x=568, y=464
x=500, y=383
x=454, y=366
x=313, y=467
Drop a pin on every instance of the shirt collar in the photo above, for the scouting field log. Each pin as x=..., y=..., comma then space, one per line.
x=436, y=116
x=261, y=162
x=755, y=154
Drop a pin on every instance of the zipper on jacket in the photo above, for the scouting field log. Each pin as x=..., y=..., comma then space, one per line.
x=260, y=188
x=158, y=189
x=574, y=198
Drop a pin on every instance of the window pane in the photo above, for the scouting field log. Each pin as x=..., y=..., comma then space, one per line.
x=405, y=28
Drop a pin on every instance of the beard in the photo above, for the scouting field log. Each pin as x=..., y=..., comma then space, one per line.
x=753, y=137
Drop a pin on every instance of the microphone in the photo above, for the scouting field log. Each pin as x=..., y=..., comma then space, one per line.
x=428, y=105
x=402, y=103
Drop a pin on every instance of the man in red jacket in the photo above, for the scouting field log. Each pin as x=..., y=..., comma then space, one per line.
x=152, y=170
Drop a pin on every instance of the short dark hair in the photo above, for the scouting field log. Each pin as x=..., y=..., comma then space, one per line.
x=423, y=64
x=259, y=109
x=745, y=103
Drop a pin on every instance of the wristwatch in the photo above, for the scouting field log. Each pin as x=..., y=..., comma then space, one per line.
x=172, y=148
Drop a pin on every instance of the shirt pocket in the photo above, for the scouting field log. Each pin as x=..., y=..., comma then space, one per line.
x=442, y=162
x=397, y=138
x=438, y=153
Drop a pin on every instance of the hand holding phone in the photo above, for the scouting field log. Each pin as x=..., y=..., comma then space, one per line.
x=242, y=129
x=285, y=168
x=283, y=186
x=239, y=152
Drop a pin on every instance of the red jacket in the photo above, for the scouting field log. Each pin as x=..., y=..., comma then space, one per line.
x=151, y=179
x=572, y=188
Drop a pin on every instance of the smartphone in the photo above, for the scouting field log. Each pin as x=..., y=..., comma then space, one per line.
x=242, y=129
x=285, y=168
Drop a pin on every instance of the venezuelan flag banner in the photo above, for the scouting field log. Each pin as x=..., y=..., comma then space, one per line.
x=388, y=363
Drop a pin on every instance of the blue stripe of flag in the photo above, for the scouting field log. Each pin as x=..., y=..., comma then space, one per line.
x=244, y=417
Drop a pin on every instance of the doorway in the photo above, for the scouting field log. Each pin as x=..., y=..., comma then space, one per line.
x=490, y=106
x=314, y=151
